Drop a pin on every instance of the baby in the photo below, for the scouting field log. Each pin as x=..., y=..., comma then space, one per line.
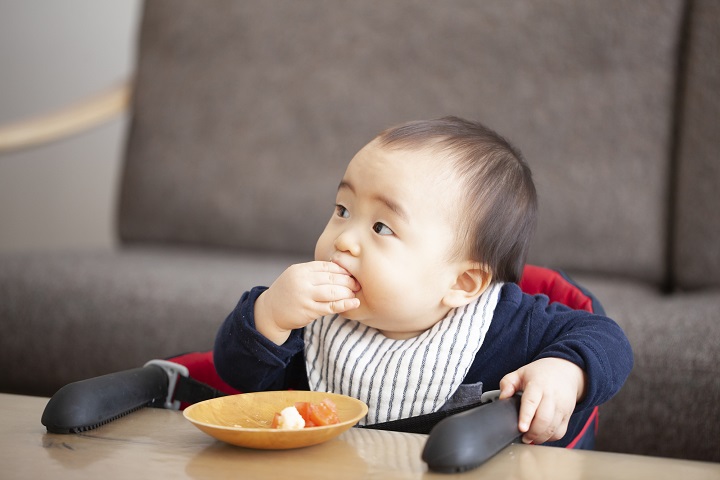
x=411, y=303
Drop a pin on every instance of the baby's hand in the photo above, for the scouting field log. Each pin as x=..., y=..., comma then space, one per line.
x=551, y=387
x=301, y=294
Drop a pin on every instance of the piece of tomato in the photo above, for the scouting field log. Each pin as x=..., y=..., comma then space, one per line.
x=330, y=404
x=324, y=413
x=303, y=409
x=275, y=421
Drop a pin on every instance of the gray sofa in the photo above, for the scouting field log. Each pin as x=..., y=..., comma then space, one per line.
x=245, y=115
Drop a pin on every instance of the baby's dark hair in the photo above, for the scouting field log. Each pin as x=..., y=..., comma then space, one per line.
x=501, y=197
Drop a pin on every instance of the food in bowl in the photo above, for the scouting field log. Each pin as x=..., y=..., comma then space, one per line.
x=306, y=415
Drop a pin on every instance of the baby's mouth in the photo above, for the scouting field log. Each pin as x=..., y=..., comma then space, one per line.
x=359, y=287
x=351, y=275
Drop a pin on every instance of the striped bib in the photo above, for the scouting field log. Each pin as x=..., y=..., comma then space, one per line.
x=397, y=378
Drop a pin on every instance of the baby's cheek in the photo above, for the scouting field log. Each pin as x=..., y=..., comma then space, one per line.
x=320, y=251
x=380, y=299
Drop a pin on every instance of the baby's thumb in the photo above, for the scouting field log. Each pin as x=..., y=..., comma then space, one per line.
x=509, y=385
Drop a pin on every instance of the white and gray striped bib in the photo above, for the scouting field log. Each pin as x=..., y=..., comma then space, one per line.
x=397, y=378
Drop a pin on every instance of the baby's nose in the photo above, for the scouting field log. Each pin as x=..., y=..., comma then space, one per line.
x=346, y=242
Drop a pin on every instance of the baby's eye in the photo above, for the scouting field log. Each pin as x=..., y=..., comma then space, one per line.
x=382, y=229
x=341, y=211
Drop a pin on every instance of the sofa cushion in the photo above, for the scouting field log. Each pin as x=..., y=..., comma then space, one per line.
x=71, y=316
x=697, y=225
x=246, y=114
x=670, y=403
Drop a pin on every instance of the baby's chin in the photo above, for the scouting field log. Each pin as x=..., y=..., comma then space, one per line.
x=357, y=315
x=354, y=314
x=360, y=314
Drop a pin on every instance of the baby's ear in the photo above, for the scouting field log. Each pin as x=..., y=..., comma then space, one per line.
x=470, y=284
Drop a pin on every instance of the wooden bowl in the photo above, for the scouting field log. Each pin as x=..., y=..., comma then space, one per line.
x=244, y=419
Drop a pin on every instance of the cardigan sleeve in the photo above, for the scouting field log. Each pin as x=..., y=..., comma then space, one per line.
x=526, y=328
x=593, y=342
x=244, y=358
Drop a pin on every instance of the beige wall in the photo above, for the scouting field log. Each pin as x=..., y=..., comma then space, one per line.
x=52, y=55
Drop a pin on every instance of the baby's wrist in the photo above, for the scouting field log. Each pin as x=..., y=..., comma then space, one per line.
x=581, y=385
x=580, y=380
x=265, y=322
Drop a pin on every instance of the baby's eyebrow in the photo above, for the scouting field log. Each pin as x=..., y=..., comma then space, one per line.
x=388, y=202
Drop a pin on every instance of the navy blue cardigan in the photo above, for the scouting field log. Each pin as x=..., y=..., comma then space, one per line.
x=524, y=328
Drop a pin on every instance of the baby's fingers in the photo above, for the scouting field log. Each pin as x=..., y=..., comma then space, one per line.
x=329, y=273
x=531, y=400
x=510, y=384
x=340, y=306
x=331, y=293
x=339, y=279
x=331, y=299
x=543, y=424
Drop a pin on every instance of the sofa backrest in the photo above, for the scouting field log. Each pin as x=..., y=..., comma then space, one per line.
x=246, y=114
x=696, y=247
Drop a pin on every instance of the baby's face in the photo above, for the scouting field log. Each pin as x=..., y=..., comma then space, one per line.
x=394, y=229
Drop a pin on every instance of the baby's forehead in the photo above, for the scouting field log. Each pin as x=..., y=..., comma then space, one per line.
x=417, y=145
x=403, y=163
x=436, y=160
x=417, y=173
x=430, y=153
